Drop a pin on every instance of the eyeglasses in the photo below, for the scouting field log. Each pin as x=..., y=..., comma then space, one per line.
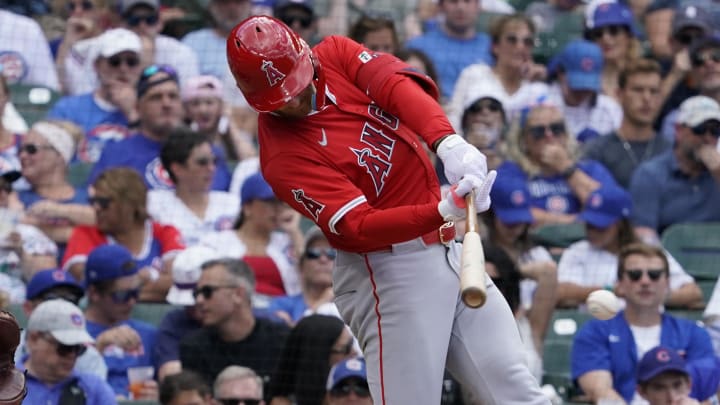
x=124, y=296
x=31, y=148
x=701, y=58
x=708, y=127
x=117, y=60
x=636, y=274
x=64, y=350
x=538, y=131
x=489, y=105
x=304, y=20
x=207, y=291
x=206, y=161
x=528, y=42
x=238, y=401
x=612, y=30
x=345, y=389
x=84, y=5
x=102, y=202
x=135, y=20
x=315, y=253
x=55, y=296
x=345, y=349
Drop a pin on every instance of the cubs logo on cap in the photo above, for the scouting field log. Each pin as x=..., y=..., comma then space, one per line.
x=659, y=360
x=76, y=319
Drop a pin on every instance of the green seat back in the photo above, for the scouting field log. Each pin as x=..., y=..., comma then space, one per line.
x=18, y=313
x=33, y=102
x=696, y=247
x=151, y=313
x=78, y=173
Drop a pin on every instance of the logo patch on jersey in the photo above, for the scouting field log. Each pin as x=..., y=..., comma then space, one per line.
x=14, y=67
x=385, y=117
x=272, y=74
x=377, y=167
x=378, y=140
x=313, y=207
x=557, y=203
x=156, y=175
x=365, y=57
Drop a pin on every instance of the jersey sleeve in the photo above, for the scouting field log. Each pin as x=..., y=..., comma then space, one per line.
x=82, y=240
x=598, y=172
x=170, y=239
x=589, y=350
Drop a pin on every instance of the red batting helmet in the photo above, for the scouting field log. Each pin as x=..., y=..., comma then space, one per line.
x=271, y=63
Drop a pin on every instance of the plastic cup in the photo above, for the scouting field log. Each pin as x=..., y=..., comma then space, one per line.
x=137, y=376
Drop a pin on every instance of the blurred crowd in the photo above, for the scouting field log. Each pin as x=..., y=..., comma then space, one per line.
x=129, y=174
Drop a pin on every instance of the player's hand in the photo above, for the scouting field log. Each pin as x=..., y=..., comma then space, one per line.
x=453, y=206
x=709, y=156
x=461, y=159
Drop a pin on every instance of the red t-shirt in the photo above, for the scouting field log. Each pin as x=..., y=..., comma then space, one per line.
x=267, y=276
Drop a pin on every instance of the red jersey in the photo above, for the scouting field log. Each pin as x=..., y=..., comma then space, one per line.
x=361, y=154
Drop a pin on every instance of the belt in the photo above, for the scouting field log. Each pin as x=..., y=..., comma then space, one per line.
x=443, y=235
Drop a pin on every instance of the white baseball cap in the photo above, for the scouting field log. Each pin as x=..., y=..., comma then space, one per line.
x=186, y=271
x=698, y=109
x=116, y=40
x=63, y=320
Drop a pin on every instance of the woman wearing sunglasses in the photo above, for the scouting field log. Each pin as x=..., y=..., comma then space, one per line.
x=543, y=156
x=591, y=264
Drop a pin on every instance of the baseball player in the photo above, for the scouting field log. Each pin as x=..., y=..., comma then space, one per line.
x=341, y=131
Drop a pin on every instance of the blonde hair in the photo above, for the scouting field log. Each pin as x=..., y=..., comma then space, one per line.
x=126, y=186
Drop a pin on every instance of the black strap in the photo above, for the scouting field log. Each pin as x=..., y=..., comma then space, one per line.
x=72, y=394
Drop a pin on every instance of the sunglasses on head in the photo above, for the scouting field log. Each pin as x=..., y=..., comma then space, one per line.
x=528, y=42
x=85, y=5
x=206, y=161
x=539, y=131
x=489, y=105
x=63, y=350
x=344, y=389
x=135, y=20
x=102, y=202
x=31, y=148
x=207, y=291
x=636, y=274
x=238, y=401
x=701, y=58
x=612, y=30
x=154, y=69
x=708, y=127
x=345, y=349
x=315, y=253
x=124, y=296
x=129, y=61
x=305, y=21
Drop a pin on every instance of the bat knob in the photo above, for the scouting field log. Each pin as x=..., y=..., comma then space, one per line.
x=473, y=297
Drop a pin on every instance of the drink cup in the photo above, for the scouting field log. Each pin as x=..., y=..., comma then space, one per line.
x=137, y=376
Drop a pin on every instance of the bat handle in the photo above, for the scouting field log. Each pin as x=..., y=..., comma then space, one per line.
x=471, y=224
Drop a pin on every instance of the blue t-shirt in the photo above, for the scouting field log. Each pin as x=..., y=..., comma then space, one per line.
x=143, y=154
x=663, y=195
x=100, y=125
x=451, y=55
x=118, y=360
x=30, y=197
x=210, y=49
x=97, y=391
x=610, y=345
x=553, y=194
x=174, y=326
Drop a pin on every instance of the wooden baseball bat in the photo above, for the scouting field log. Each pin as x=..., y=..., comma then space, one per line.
x=472, y=270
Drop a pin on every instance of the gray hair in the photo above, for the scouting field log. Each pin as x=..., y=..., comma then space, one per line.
x=239, y=271
x=233, y=373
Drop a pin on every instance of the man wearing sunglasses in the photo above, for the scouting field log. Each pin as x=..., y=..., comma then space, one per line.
x=682, y=184
x=237, y=385
x=347, y=384
x=298, y=15
x=112, y=285
x=56, y=337
x=106, y=112
x=605, y=354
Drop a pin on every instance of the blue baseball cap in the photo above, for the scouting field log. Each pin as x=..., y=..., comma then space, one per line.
x=611, y=13
x=511, y=202
x=659, y=360
x=256, y=188
x=354, y=367
x=606, y=205
x=582, y=62
x=46, y=279
x=108, y=262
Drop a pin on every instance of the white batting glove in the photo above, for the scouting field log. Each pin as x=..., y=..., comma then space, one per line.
x=453, y=206
x=460, y=159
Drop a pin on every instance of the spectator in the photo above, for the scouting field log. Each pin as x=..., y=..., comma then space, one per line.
x=118, y=197
x=236, y=384
x=185, y=388
x=588, y=112
x=160, y=110
x=299, y=16
x=455, y=44
x=543, y=156
x=265, y=235
x=112, y=283
x=316, y=264
x=181, y=321
x=664, y=377
x=314, y=345
x=108, y=111
x=549, y=15
x=611, y=25
x=605, y=354
x=376, y=32
x=52, y=203
x=347, y=384
x=591, y=264
x=53, y=284
x=191, y=207
x=207, y=114
x=231, y=334
x=681, y=185
x=26, y=57
x=56, y=337
x=12, y=381
x=513, y=39
x=9, y=140
x=635, y=141
x=419, y=60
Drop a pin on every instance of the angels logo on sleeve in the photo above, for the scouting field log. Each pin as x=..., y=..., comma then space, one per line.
x=313, y=207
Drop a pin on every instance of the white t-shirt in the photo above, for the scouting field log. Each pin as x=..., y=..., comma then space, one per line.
x=222, y=211
x=527, y=286
x=603, y=117
x=25, y=54
x=646, y=338
x=243, y=170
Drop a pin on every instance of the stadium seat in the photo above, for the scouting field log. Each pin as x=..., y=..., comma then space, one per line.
x=18, y=313
x=485, y=20
x=707, y=287
x=151, y=313
x=696, y=247
x=32, y=102
x=557, y=237
x=557, y=349
x=78, y=173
